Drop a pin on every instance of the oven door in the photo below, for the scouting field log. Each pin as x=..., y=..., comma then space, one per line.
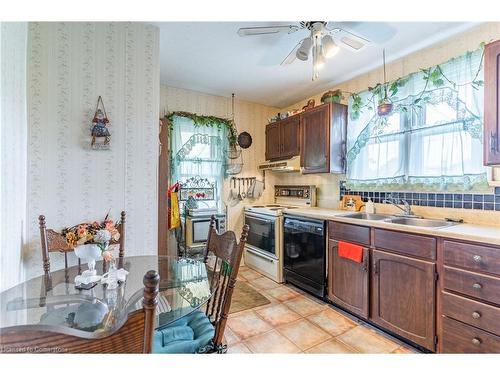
x=197, y=230
x=262, y=234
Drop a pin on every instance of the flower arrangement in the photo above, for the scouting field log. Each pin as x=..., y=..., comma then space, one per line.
x=98, y=233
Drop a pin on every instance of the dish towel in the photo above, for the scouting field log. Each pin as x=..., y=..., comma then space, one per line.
x=350, y=251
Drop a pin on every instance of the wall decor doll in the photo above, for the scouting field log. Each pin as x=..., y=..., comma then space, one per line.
x=100, y=132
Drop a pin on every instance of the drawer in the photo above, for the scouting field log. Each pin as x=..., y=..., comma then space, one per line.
x=486, y=288
x=406, y=243
x=349, y=232
x=475, y=313
x=460, y=338
x=475, y=257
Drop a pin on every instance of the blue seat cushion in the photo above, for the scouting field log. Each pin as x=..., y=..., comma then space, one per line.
x=186, y=335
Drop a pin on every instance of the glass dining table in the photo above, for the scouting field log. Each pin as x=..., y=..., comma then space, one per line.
x=52, y=300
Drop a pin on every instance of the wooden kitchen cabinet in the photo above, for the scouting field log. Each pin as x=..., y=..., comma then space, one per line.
x=491, y=132
x=469, y=302
x=348, y=281
x=283, y=138
x=403, y=296
x=318, y=135
x=290, y=137
x=315, y=137
x=273, y=141
x=323, y=139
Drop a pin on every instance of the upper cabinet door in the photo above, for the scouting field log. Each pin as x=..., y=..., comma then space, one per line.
x=338, y=138
x=273, y=145
x=315, y=140
x=290, y=137
x=492, y=104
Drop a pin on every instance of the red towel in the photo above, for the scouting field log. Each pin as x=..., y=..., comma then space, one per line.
x=350, y=251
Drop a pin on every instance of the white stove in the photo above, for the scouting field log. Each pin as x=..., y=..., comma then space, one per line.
x=264, y=247
x=269, y=209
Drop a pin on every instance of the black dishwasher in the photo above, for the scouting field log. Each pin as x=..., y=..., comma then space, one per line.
x=305, y=254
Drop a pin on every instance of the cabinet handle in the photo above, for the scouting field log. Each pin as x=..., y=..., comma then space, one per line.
x=477, y=286
x=375, y=268
x=477, y=258
x=476, y=315
x=476, y=341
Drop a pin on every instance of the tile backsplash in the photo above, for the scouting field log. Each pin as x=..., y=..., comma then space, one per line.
x=490, y=202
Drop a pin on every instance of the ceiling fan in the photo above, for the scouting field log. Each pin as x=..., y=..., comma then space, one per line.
x=324, y=42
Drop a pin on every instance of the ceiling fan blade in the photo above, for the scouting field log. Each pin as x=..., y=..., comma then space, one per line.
x=376, y=32
x=349, y=40
x=292, y=56
x=262, y=30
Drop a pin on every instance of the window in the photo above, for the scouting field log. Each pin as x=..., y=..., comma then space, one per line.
x=433, y=138
x=197, y=151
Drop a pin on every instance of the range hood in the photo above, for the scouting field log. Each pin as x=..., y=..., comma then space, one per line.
x=288, y=165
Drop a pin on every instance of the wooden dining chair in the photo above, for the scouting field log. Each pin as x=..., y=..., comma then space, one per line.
x=203, y=332
x=53, y=241
x=135, y=336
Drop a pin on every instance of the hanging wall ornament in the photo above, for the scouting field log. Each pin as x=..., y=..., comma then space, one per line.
x=244, y=140
x=100, y=132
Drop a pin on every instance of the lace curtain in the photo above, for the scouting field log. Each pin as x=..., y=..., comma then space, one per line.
x=197, y=151
x=432, y=140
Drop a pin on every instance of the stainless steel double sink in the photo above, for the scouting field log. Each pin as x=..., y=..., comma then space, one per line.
x=404, y=220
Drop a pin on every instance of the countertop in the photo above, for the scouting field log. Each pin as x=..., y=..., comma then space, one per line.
x=470, y=232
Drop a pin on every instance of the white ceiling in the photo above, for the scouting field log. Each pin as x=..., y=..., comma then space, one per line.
x=210, y=57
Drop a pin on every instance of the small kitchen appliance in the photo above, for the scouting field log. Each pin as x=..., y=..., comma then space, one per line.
x=198, y=222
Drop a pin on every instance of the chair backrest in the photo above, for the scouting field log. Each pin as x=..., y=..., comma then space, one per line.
x=226, y=255
x=135, y=336
x=53, y=241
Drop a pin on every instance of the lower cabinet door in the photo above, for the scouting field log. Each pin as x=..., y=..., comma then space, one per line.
x=348, y=281
x=403, y=297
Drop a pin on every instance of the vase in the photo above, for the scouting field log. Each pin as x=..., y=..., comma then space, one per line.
x=88, y=253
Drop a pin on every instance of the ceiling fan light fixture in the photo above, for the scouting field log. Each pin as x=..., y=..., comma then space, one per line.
x=319, y=58
x=304, y=49
x=330, y=48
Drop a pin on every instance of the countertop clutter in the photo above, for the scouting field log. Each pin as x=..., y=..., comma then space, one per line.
x=462, y=231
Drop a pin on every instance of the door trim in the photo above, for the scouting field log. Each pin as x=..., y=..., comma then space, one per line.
x=163, y=181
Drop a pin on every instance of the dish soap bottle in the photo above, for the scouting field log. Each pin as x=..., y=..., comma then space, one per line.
x=370, y=207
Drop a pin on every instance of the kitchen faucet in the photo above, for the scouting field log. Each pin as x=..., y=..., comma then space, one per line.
x=406, y=206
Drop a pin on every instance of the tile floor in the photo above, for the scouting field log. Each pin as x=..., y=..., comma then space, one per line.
x=295, y=322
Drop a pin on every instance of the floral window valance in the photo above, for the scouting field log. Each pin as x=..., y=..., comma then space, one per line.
x=433, y=138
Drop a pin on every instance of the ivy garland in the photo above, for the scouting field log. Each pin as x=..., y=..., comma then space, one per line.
x=433, y=77
x=208, y=121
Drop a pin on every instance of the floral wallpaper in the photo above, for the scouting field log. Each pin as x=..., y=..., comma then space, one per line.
x=13, y=134
x=69, y=65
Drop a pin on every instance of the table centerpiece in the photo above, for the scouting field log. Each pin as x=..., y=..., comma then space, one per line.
x=91, y=243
